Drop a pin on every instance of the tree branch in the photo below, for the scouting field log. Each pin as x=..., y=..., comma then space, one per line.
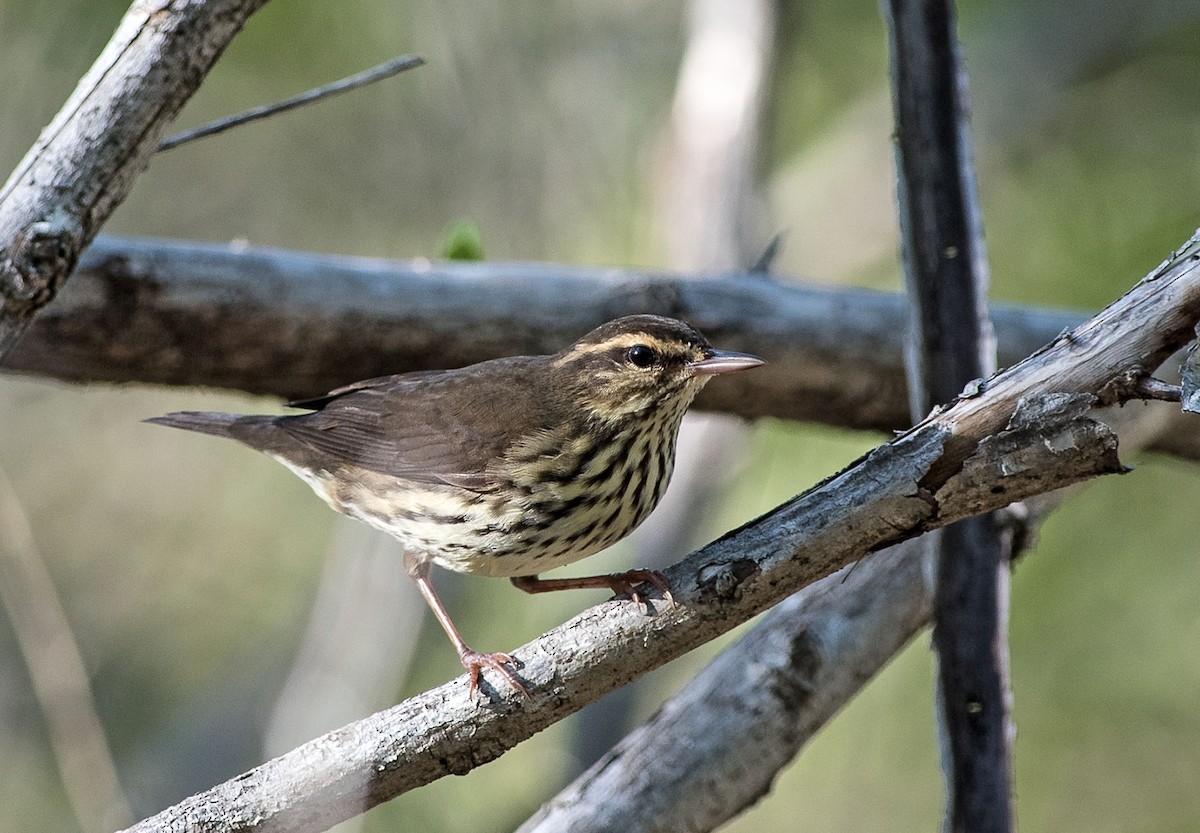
x=293, y=323
x=945, y=268
x=344, y=85
x=715, y=748
x=84, y=163
x=955, y=463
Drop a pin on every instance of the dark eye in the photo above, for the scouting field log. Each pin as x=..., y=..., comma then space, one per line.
x=640, y=355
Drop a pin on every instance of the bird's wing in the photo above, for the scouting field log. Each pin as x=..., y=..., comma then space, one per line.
x=427, y=427
x=316, y=403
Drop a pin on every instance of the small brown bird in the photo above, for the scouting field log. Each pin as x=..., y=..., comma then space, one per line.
x=509, y=467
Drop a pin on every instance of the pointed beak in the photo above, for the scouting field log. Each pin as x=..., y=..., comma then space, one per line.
x=724, y=361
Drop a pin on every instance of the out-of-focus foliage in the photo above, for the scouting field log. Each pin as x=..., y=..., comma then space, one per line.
x=462, y=241
x=187, y=567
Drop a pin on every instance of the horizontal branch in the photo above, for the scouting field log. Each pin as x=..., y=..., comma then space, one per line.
x=85, y=162
x=293, y=324
x=1021, y=434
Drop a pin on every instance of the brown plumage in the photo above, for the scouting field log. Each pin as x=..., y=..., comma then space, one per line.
x=508, y=467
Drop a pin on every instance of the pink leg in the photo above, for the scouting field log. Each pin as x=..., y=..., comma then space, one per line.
x=619, y=583
x=472, y=660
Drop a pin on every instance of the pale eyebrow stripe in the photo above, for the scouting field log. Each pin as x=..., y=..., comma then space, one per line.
x=621, y=340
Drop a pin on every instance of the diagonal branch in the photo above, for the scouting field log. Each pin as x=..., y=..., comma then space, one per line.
x=344, y=85
x=955, y=463
x=85, y=162
x=714, y=749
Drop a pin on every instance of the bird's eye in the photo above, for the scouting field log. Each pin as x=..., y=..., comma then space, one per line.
x=640, y=355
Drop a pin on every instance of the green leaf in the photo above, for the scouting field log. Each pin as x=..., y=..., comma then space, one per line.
x=462, y=241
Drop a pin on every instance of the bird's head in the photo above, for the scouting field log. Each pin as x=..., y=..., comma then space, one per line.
x=642, y=363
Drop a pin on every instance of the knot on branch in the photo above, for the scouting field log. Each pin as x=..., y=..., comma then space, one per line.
x=1017, y=522
x=41, y=258
x=722, y=582
x=795, y=682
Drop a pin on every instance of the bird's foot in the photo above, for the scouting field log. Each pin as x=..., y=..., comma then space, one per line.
x=627, y=583
x=500, y=662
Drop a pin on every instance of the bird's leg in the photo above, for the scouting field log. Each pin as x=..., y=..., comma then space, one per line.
x=472, y=660
x=619, y=583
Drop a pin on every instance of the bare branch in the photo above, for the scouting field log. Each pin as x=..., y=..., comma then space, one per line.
x=945, y=267
x=84, y=164
x=1150, y=388
x=955, y=463
x=1189, y=372
x=293, y=324
x=715, y=748
x=345, y=85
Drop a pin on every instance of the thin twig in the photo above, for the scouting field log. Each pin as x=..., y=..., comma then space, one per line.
x=353, y=82
x=1151, y=388
x=770, y=253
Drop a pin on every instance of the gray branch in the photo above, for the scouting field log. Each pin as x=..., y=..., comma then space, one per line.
x=293, y=324
x=85, y=162
x=714, y=749
x=57, y=673
x=1024, y=433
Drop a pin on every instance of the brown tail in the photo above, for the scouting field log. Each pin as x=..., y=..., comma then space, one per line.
x=206, y=422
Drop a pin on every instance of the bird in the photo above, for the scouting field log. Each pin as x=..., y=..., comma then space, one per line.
x=509, y=467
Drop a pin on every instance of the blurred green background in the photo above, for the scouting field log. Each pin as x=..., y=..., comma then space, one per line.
x=188, y=568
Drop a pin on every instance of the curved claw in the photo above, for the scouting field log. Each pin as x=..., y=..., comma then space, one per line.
x=627, y=582
x=498, y=661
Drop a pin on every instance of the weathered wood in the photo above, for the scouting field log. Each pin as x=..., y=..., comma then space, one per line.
x=293, y=324
x=716, y=747
x=85, y=162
